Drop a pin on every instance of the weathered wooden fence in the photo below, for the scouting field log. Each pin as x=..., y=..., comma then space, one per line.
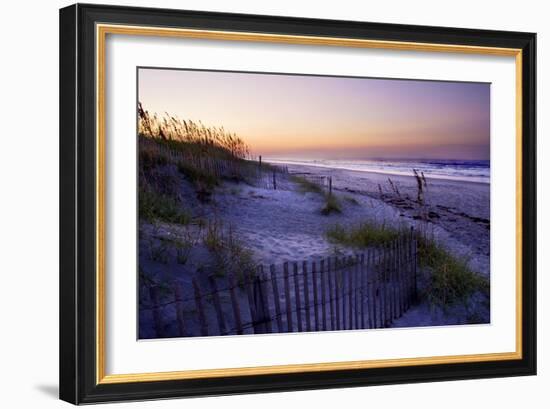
x=367, y=290
x=323, y=181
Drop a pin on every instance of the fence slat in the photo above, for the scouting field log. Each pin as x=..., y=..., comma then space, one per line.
x=356, y=292
x=386, y=287
x=249, y=283
x=276, y=299
x=337, y=284
x=323, y=278
x=415, y=263
x=379, y=292
x=315, y=295
x=400, y=278
x=178, y=292
x=217, y=305
x=411, y=272
x=288, y=305
x=408, y=270
x=306, y=296
x=200, y=310
x=260, y=321
x=382, y=289
x=366, y=290
x=410, y=282
x=264, y=299
x=235, y=303
x=393, y=277
x=351, y=291
x=297, y=295
x=342, y=275
x=371, y=312
x=331, y=295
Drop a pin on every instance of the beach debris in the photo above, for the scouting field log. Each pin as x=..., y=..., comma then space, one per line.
x=420, y=185
x=394, y=188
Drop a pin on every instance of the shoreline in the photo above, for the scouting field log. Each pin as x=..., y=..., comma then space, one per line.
x=378, y=172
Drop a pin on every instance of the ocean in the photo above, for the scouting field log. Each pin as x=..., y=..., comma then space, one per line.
x=467, y=170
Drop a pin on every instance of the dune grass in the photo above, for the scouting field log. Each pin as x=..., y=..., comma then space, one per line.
x=203, y=154
x=332, y=205
x=198, y=176
x=331, y=202
x=306, y=186
x=229, y=253
x=161, y=207
x=177, y=133
x=450, y=278
x=366, y=234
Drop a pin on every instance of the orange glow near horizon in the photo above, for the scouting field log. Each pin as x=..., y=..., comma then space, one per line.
x=314, y=116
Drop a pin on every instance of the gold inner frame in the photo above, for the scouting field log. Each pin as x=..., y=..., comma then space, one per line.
x=101, y=33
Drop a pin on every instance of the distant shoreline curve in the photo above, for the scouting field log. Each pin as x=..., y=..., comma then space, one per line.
x=380, y=172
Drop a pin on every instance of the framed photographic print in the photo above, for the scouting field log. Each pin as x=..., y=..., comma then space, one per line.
x=258, y=203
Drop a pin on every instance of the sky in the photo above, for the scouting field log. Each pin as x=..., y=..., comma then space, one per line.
x=321, y=117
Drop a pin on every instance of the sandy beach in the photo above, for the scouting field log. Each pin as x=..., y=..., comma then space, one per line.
x=459, y=210
x=286, y=224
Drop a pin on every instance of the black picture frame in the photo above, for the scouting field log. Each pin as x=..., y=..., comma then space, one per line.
x=78, y=318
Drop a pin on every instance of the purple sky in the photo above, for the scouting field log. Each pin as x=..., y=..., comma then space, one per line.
x=329, y=117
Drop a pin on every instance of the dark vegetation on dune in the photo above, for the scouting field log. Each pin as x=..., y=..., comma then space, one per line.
x=202, y=155
x=176, y=154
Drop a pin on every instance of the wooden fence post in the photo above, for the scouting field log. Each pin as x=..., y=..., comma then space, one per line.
x=401, y=275
x=262, y=316
x=351, y=291
x=398, y=309
x=415, y=261
x=274, y=181
x=330, y=185
x=249, y=282
x=315, y=296
x=389, y=281
x=265, y=301
x=356, y=291
x=393, y=277
x=157, y=317
x=379, y=287
x=383, y=305
x=297, y=295
x=389, y=292
x=179, y=308
x=371, y=312
x=235, y=303
x=343, y=292
x=337, y=284
x=323, y=294
x=200, y=310
x=410, y=269
x=276, y=299
x=306, y=296
x=289, y=325
x=217, y=305
x=362, y=292
x=331, y=296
